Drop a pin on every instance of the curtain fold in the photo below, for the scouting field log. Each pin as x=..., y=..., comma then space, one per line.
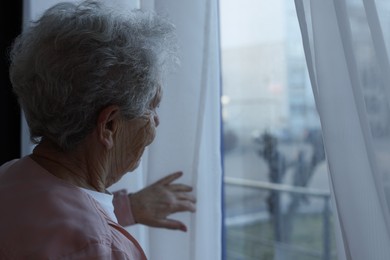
x=188, y=138
x=348, y=65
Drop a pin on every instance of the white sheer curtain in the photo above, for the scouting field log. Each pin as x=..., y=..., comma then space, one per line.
x=188, y=137
x=189, y=134
x=346, y=47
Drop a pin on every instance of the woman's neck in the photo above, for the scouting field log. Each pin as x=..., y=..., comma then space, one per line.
x=79, y=167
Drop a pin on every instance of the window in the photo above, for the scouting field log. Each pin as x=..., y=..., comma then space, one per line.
x=277, y=198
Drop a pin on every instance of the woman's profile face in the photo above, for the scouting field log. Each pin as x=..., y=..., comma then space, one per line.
x=132, y=137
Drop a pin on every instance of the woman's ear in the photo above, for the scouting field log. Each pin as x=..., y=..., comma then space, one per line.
x=107, y=125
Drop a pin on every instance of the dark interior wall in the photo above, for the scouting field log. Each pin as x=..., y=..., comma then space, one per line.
x=11, y=24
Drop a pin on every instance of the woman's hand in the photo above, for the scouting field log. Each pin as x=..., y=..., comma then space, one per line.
x=152, y=205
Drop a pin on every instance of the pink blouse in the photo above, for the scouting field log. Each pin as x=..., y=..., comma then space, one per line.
x=43, y=217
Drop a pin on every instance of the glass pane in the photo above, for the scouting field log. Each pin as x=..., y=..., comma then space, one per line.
x=277, y=203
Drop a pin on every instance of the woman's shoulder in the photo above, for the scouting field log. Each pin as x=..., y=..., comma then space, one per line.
x=24, y=182
x=5, y=166
x=45, y=212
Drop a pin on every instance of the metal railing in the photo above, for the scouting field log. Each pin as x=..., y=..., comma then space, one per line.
x=275, y=187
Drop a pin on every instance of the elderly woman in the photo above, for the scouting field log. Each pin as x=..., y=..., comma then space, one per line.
x=89, y=81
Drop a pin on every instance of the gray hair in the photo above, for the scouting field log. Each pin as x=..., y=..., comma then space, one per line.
x=79, y=58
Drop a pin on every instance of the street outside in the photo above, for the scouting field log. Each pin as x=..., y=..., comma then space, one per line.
x=246, y=163
x=245, y=206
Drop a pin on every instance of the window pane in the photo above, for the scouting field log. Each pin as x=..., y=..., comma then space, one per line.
x=277, y=202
